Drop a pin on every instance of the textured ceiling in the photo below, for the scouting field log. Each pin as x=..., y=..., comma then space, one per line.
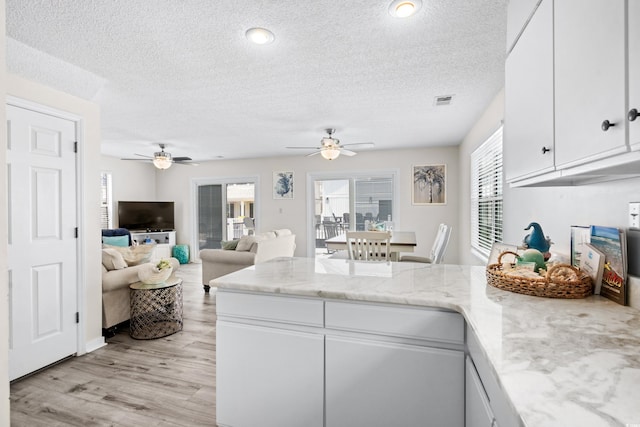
x=181, y=72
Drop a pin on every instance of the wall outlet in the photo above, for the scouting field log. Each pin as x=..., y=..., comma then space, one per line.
x=634, y=214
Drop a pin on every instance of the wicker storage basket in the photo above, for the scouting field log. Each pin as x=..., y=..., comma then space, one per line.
x=550, y=286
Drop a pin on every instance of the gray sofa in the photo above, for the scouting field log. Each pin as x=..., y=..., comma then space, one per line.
x=250, y=250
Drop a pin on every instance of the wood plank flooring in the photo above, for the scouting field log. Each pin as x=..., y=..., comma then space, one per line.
x=163, y=382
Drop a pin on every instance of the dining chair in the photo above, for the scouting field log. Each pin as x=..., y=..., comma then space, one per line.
x=250, y=224
x=368, y=245
x=437, y=250
x=330, y=231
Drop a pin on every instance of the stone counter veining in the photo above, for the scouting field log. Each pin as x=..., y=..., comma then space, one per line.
x=561, y=362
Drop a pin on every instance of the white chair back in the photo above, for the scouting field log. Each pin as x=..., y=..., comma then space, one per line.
x=368, y=245
x=440, y=244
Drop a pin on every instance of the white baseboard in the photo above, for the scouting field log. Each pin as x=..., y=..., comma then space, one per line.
x=95, y=344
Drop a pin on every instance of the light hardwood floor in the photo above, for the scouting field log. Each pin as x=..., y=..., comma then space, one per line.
x=164, y=382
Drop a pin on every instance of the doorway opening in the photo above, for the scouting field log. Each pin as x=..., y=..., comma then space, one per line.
x=225, y=211
x=349, y=202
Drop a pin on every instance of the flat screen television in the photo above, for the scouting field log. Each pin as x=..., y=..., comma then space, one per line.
x=147, y=216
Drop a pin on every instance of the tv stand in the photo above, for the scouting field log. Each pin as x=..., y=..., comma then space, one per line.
x=164, y=240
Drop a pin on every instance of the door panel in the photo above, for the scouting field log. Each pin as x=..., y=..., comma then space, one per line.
x=42, y=252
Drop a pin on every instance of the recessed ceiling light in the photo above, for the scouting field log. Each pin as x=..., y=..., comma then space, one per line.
x=404, y=8
x=260, y=35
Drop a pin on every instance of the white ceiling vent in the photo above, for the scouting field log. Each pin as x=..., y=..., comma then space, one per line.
x=443, y=100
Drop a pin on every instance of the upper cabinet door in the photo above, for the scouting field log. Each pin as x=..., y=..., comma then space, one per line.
x=590, y=80
x=528, y=147
x=634, y=74
x=518, y=13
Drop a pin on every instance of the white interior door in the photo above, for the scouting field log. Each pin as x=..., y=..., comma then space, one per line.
x=42, y=242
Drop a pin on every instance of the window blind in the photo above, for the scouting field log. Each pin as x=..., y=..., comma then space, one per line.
x=106, y=215
x=486, y=194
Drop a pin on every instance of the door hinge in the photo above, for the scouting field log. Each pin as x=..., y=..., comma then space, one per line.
x=76, y=232
x=75, y=147
x=77, y=317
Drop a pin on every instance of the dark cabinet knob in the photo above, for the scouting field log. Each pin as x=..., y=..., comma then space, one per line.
x=633, y=114
x=545, y=150
x=606, y=125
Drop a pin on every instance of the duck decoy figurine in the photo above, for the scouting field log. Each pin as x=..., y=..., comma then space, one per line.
x=537, y=240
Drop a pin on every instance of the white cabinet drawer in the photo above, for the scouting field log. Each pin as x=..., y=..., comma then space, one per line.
x=300, y=311
x=405, y=322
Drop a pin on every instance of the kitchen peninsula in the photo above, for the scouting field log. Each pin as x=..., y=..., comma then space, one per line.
x=286, y=328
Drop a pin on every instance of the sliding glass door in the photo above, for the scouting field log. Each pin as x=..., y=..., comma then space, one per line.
x=224, y=211
x=349, y=202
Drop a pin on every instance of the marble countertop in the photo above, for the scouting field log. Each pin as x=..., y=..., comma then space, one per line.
x=561, y=362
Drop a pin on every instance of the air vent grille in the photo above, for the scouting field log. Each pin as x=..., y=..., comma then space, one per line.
x=443, y=100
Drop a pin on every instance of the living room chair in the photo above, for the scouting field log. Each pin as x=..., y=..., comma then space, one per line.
x=437, y=250
x=368, y=245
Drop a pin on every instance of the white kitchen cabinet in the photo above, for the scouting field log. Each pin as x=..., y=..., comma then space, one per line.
x=478, y=411
x=376, y=383
x=293, y=361
x=634, y=74
x=268, y=377
x=528, y=147
x=269, y=368
x=389, y=366
x=590, y=80
x=518, y=14
x=499, y=404
x=594, y=94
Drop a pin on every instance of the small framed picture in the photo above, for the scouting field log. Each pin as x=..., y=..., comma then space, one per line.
x=283, y=185
x=429, y=185
x=580, y=235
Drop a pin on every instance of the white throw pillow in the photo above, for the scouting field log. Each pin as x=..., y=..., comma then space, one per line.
x=245, y=243
x=135, y=255
x=282, y=232
x=112, y=259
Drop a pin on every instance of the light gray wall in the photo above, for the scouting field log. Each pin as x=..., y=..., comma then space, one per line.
x=176, y=184
x=130, y=180
x=555, y=208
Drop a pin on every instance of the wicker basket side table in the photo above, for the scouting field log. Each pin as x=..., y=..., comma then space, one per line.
x=156, y=310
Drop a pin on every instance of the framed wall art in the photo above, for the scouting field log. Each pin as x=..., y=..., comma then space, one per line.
x=429, y=184
x=283, y=185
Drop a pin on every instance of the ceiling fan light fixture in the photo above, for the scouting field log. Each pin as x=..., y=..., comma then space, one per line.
x=259, y=35
x=404, y=8
x=162, y=160
x=330, y=153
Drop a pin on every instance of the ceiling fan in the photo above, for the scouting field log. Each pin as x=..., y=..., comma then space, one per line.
x=330, y=147
x=163, y=160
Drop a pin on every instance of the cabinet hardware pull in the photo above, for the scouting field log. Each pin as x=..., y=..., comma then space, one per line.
x=633, y=114
x=545, y=150
x=606, y=125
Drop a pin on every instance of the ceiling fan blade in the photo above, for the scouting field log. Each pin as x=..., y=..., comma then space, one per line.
x=347, y=152
x=304, y=148
x=187, y=163
x=140, y=160
x=360, y=144
x=313, y=154
x=142, y=155
x=181, y=159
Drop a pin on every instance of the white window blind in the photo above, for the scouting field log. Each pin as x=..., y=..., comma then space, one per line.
x=486, y=194
x=106, y=214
